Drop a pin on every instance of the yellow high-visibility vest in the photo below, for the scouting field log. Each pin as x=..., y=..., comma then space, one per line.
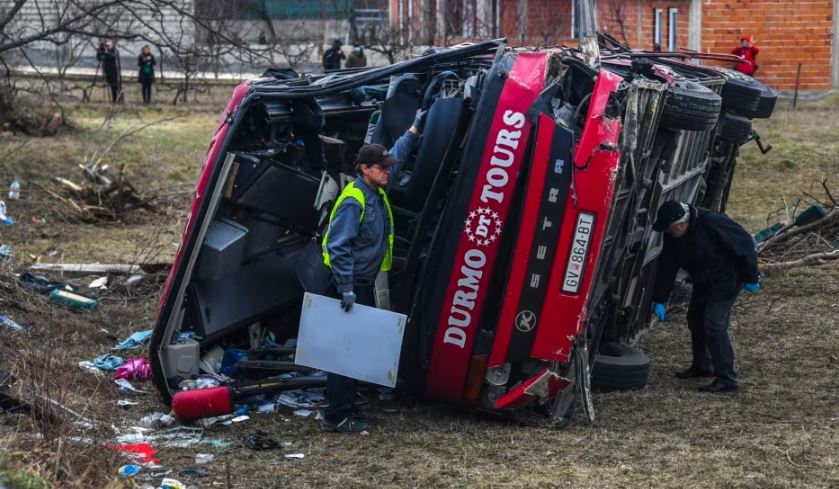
x=353, y=192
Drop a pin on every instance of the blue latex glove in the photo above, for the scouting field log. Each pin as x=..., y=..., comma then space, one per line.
x=419, y=120
x=347, y=300
x=752, y=287
x=660, y=311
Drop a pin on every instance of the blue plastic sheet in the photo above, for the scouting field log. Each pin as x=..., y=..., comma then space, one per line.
x=108, y=362
x=135, y=340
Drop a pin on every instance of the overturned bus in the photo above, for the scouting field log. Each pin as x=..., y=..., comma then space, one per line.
x=524, y=254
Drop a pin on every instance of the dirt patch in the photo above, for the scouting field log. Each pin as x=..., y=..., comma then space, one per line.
x=22, y=114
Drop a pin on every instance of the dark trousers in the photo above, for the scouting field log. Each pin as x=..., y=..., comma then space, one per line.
x=146, y=89
x=341, y=392
x=116, y=95
x=710, y=343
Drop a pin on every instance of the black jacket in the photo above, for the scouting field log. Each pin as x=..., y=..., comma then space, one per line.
x=110, y=64
x=332, y=58
x=718, y=254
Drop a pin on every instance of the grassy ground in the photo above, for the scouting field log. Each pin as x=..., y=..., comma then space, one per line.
x=781, y=430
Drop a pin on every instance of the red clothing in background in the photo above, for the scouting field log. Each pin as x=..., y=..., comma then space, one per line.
x=748, y=53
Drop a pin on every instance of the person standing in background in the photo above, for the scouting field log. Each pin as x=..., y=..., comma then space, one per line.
x=146, y=63
x=332, y=57
x=357, y=58
x=747, y=51
x=108, y=57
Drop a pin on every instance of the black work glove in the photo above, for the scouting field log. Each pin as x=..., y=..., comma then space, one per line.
x=347, y=300
x=419, y=119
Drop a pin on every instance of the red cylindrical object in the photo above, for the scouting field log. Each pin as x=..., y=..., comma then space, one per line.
x=202, y=403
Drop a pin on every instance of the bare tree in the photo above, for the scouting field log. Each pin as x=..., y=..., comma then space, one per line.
x=616, y=14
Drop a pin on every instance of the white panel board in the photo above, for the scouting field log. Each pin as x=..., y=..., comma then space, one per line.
x=363, y=344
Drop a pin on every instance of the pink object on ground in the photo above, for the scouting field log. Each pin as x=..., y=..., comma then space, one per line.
x=133, y=369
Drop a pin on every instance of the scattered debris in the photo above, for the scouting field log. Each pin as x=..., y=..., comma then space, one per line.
x=187, y=337
x=126, y=385
x=230, y=361
x=211, y=361
x=203, y=382
x=134, y=279
x=73, y=299
x=126, y=403
x=204, y=458
x=143, y=452
x=11, y=324
x=259, y=440
x=134, y=369
x=267, y=408
x=6, y=252
x=811, y=237
x=89, y=366
x=302, y=398
x=156, y=419
x=99, y=283
x=194, y=472
x=294, y=455
x=6, y=220
x=103, y=195
x=134, y=341
x=168, y=483
x=41, y=284
x=304, y=413
x=108, y=362
x=128, y=471
x=14, y=190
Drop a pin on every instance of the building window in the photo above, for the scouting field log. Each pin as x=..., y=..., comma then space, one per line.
x=573, y=19
x=672, y=15
x=657, y=14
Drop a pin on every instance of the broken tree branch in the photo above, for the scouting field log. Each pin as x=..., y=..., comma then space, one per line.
x=827, y=191
x=87, y=268
x=786, y=232
x=814, y=258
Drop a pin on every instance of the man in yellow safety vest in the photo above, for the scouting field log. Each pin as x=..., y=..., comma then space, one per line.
x=358, y=243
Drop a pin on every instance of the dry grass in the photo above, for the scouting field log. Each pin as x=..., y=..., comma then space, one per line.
x=805, y=151
x=781, y=430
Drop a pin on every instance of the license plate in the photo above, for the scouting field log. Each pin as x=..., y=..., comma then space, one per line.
x=579, y=249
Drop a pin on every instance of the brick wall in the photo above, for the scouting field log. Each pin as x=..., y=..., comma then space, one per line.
x=621, y=20
x=787, y=33
x=549, y=21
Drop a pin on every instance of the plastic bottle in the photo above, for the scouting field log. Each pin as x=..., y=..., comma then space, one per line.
x=14, y=190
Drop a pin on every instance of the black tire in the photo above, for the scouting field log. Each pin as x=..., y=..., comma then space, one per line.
x=690, y=106
x=766, y=106
x=741, y=93
x=619, y=367
x=734, y=128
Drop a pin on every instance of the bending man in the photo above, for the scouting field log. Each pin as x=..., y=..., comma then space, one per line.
x=720, y=257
